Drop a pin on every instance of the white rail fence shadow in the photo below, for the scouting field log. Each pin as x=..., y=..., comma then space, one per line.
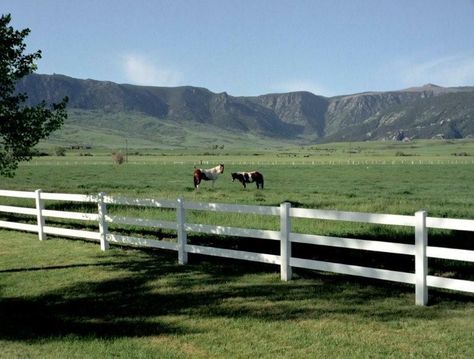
x=419, y=222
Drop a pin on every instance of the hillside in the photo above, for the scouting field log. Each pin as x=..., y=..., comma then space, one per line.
x=103, y=112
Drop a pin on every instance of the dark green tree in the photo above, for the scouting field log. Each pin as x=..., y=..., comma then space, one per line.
x=21, y=126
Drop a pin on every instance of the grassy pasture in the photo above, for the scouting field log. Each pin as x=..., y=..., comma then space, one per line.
x=139, y=303
x=373, y=179
x=65, y=298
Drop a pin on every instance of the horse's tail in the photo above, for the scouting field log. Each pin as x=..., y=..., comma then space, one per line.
x=259, y=179
x=197, y=178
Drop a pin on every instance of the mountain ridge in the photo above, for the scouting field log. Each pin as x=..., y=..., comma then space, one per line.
x=418, y=112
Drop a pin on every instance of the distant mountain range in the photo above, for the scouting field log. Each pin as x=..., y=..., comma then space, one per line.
x=167, y=113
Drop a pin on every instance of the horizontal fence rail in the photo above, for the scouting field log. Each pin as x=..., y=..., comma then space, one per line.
x=105, y=235
x=389, y=219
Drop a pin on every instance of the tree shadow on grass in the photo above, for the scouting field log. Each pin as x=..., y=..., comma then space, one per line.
x=154, y=287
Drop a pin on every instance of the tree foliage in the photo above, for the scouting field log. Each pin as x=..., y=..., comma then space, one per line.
x=21, y=126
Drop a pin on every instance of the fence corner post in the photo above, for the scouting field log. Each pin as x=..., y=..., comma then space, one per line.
x=285, y=243
x=103, y=227
x=39, y=214
x=181, y=232
x=421, y=260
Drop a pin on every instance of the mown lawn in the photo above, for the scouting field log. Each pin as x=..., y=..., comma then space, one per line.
x=67, y=299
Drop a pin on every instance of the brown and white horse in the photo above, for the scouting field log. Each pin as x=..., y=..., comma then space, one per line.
x=210, y=174
x=248, y=177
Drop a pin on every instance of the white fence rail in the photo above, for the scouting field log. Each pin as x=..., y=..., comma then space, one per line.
x=419, y=249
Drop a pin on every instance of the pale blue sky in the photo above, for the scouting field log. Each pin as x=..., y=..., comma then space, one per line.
x=252, y=47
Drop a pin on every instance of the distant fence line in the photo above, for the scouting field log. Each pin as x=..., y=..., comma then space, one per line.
x=263, y=163
x=420, y=222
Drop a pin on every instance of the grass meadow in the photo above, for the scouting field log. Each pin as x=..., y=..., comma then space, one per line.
x=66, y=298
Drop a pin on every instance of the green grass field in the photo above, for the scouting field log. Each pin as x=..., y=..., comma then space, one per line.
x=65, y=298
x=372, y=179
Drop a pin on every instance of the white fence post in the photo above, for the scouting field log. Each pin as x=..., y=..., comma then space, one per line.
x=182, y=238
x=421, y=261
x=285, y=244
x=39, y=215
x=103, y=227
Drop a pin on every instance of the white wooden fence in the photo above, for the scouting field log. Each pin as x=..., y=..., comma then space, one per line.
x=419, y=221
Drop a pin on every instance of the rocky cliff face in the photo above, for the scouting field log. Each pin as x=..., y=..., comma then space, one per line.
x=302, y=109
x=422, y=112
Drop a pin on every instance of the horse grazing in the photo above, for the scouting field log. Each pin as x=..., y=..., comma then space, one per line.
x=210, y=174
x=248, y=177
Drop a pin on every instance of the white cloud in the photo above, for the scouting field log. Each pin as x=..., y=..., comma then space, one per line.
x=301, y=85
x=140, y=70
x=457, y=70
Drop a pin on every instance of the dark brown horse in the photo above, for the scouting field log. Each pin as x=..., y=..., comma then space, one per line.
x=248, y=177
